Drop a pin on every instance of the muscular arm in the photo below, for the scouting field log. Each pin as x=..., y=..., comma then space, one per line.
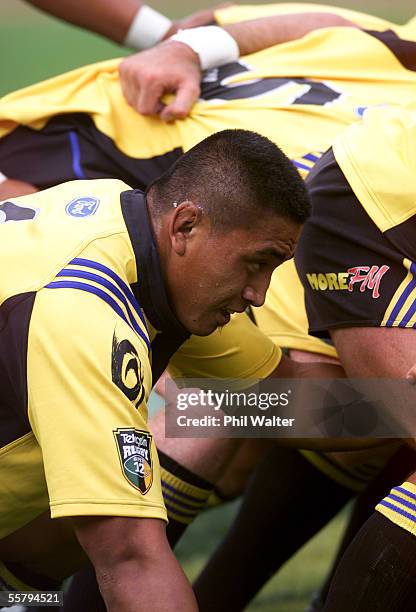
x=380, y=352
x=289, y=368
x=134, y=565
x=110, y=18
x=259, y=34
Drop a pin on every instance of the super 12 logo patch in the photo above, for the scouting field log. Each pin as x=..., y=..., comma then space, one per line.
x=134, y=449
x=82, y=207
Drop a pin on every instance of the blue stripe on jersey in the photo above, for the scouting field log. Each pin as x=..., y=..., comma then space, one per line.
x=407, y=291
x=195, y=500
x=183, y=505
x=300, y=166
x=311, y=157
x=405, y=492
x=173, y=510
x=105, y=283
x=88, y=263
x=76, y=155
x=101, y=294
x=402, y=501
x=398, y=510
x=408, y=315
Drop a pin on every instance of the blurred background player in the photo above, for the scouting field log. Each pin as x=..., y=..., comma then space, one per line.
x=371, y=168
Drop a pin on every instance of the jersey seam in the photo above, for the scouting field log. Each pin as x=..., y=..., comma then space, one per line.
x=21, y=441
x=353, y=323
x=82, y=501
x=365, y=185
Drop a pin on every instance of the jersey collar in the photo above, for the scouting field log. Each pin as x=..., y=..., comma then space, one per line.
x=150, y=289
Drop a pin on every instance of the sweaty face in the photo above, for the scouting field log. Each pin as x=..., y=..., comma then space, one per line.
x=224, y=272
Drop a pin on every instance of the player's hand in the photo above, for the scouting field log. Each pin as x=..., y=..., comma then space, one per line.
x=171, y=67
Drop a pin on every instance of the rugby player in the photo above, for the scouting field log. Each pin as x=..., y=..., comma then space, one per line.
x=101, y=285
x=363, y=193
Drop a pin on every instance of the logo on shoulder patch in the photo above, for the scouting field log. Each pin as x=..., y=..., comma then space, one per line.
x=9, y=211
x=82, y=207
x=134, y=450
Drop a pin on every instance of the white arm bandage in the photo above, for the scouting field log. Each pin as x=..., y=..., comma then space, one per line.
x=214, y=45
x=147, y=28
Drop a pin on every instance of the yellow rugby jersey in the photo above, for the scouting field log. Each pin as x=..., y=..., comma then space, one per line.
x=283, y=318
x=378, y=159
x=84, y=320
x=74, y=366
x=385, y=140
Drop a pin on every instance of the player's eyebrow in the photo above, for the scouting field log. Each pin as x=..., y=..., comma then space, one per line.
x=280, y=255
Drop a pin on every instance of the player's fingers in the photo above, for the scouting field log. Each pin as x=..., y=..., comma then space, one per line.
x=130, y=86
x=149, y=97
x=130, y=93
x=186, y=95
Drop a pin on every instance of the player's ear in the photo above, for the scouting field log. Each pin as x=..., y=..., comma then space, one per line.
x=185, y=218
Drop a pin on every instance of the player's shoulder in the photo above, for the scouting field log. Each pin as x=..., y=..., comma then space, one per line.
x=376, y=151
x=105, y=188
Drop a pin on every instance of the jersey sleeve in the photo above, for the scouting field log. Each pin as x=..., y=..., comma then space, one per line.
x=239, y=352
x=89, y=378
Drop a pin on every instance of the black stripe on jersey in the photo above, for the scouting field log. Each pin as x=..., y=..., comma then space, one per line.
x=215, y=86
x=15, y=314
x=403, y=237
x=404, y=50
x=71, y=147
x=150, y=290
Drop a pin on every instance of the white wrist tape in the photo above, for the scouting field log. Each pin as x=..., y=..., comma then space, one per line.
x=214, y=45
x=147, y=28
x=2, y=177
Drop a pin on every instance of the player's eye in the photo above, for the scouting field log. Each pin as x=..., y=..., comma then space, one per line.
x=257, y=265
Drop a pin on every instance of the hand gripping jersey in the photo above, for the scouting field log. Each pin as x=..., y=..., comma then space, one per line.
x=85, y=325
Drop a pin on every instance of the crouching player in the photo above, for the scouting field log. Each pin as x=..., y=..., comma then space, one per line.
x=101, y=286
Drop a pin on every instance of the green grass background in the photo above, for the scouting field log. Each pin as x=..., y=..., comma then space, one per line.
x=289, y=590
x=34, y=46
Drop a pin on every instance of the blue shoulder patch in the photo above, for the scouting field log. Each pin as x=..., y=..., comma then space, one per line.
x=82, y=207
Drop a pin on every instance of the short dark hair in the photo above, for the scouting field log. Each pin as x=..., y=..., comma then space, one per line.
x=234, y=175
